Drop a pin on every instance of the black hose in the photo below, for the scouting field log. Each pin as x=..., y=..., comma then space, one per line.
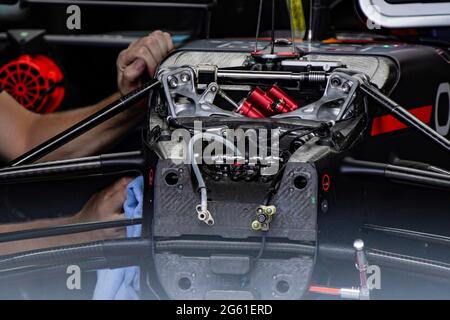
x=76, y=253
x=138, y=247
x=62, y=169
x=409, y=234
x=92, y=264
x=66, y=229
x=420, y=166
x=398, y=173
x=388, y=259
x=408, y=263
x=274, y=247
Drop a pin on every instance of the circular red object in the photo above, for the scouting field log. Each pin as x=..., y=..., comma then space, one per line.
x=34, y=81
x=275, y=93
x=258, y=98
x=326, y=182
x=246, y=109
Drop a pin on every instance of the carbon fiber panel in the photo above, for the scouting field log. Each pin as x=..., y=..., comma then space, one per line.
x=175, y=204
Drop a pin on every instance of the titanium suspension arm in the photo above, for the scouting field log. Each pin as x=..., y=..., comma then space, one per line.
x=86, y=124
x=404, y=116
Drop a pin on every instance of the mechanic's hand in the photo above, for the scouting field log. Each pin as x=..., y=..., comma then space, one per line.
x=141, y=56
x=106, y=205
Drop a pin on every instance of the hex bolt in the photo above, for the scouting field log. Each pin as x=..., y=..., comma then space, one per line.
x=173, y=82
x=335, y=82
x=346, y=87
x=185, y=77
x=256, y=225
x=262, y=218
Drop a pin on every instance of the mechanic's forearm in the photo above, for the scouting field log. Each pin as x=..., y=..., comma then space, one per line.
x=41, y=243
x=93, y=141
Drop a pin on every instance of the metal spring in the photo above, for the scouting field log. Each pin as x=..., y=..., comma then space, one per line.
x=303, y=140
x=315, y=76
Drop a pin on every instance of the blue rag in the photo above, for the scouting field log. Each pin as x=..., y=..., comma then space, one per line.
x=123, y=283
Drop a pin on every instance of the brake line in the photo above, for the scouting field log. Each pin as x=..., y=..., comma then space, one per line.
x=202, y=209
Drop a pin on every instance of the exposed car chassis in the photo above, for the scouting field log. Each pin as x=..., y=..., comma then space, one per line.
x=256, y=235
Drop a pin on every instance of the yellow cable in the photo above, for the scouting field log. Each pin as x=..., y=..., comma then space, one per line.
x=298, y=18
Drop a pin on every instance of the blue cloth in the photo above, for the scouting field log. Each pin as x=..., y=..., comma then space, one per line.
x=123, y=283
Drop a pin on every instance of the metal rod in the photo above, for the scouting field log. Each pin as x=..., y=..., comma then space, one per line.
x=409, y=234
x=66, y=229
x=361, y=264
x=124, y=4
x=398, y=173
x=404, y=116
x=270, y=75
x=291, y=20
x=90, y=40
x=62, y=169
x=86, y=124
x=344, y=293
x=258, y=23
x=208, y=17
x=310, y=29
x=228, y=99
x=388, y=259
x=272, y=36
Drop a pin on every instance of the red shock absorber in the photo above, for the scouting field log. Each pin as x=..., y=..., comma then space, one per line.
x=259, y=100
x=265, y=103
x=246, y=109
x=277, y=94
x=260, y=104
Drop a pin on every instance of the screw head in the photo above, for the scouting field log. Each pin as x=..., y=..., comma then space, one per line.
x=261, y=218
x=256, y=225
x=346, y=87
x=173, y=82
x=185, y=77
x=324, y=206
x=335, y=82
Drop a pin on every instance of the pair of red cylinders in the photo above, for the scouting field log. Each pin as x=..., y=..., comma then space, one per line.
x=260, y=104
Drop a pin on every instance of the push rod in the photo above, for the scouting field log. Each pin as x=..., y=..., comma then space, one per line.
x=62, y=169
x=404, y=116
x=352, y=166
x=86, y=124
x=66, y=229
